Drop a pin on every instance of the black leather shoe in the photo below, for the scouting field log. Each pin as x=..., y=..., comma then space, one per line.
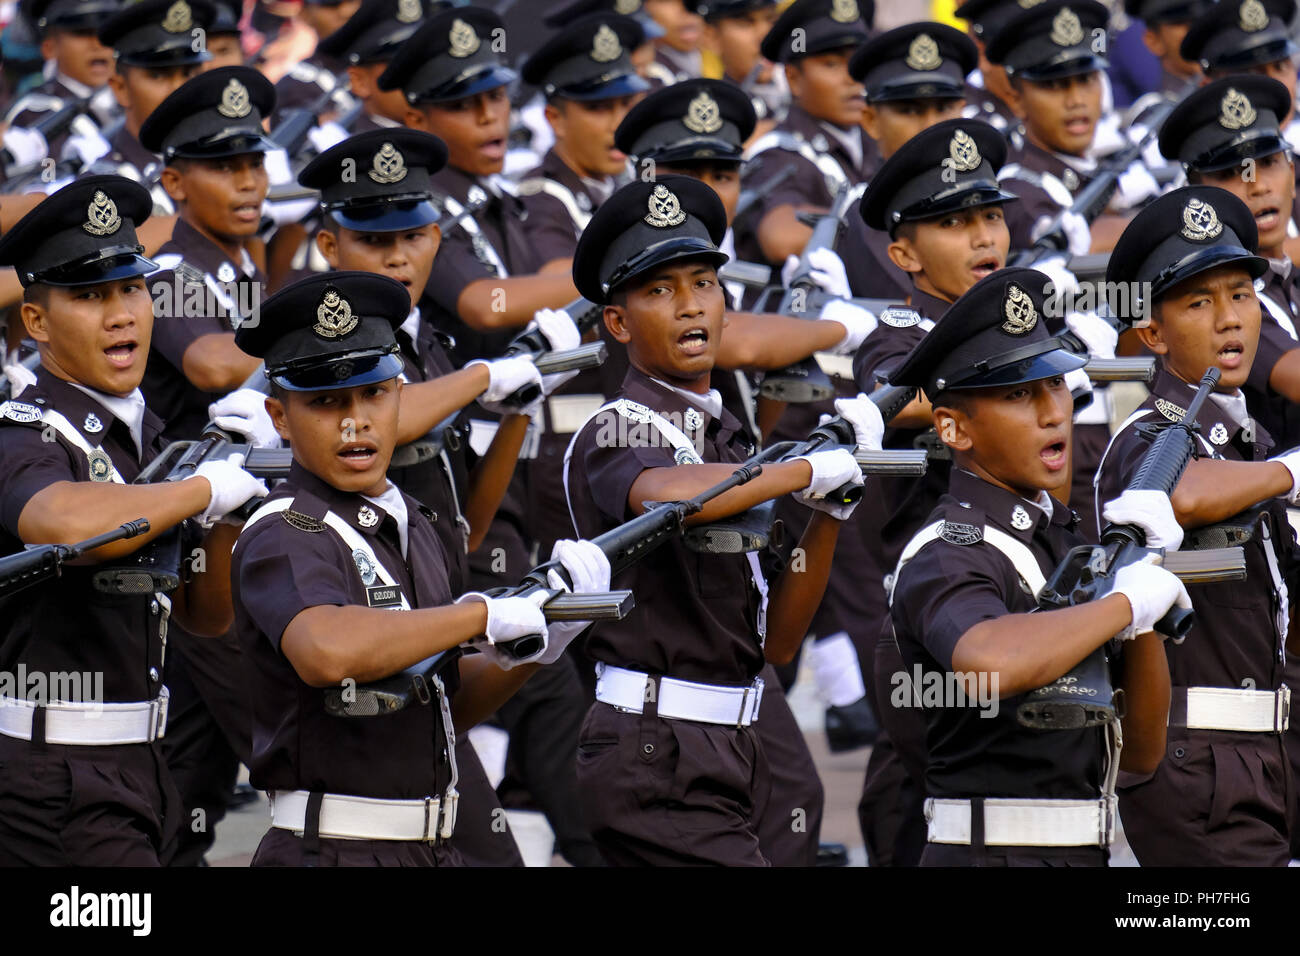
x=851, y=726
x=832, y=854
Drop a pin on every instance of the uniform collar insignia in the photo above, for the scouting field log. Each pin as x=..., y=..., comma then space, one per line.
x=1020, y=519
x=1219, y=434
x=408, y=11
x=367, y=517
x=92, y=424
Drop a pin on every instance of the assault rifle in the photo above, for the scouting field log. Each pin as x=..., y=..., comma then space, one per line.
x=1084, y=697
x=39, y=562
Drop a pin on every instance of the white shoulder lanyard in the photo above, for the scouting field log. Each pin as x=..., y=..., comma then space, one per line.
x=471, y=228
x=1281, y=315
x=65, y=428
x=1021, y=558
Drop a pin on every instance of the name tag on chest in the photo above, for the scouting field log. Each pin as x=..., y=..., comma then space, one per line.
x=384, y=595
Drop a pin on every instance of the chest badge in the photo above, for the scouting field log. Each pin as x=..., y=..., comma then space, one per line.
x=225, y=272
x=366, y=517
x=1020, y=519
x=1219, y=434
x=365, y=567
x=101, y=466
x=1070, y=179
x=92, y=424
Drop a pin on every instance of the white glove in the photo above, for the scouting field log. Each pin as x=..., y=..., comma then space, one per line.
x=1151, y=592
x=505, y=377
x=231, y=487
x=1152, y=512
x=1136, y=186
x=20, y=377
x=510, y=618
x=1065, y=285
x=588, y=568
x=326, y=135
x=828, y=272
x=561, y=334
x=1292, y=461
x=243, y=412
x=26, y=146
x=1077, y=381
x=858, y=321
x=1099, y=335
x=830, y=470
x=861, y=412
x=1078, y=234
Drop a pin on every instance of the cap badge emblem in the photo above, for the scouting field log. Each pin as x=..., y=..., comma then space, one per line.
x=234, y=101
x=408, y=11
x=1219, y=434
x=178, y=18
x=334, y=316
x=627, y=6
x=366, y=517
x=692, y=419
x=923, y=53
x=605, y=47
x=464, y=41
x=963, y=155
x=665, y=209
x=365, y=567
x=1018, y=310
x=1252, y=16
x=703, y=115
x=92, y=424
x=1200, y=221
x=1066, y=28
x=101, y=215
x=1020, y=519
x=388, y=166
x=844, y=11
x=1236, y=111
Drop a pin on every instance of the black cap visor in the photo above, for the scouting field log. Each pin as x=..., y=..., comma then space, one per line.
x=112, y=263
x=607, y=87
x=960, y=196
x=1030, y=363
x=171, y=56
x=679, y=247
x=1066, y=63
x=228, y=142
x=475, y=79
x=917, y=86
x=697, y=149
x=348, y=370
x=386, y=215
x=1202, y=260
x=1279, y=49
x=1247, y=145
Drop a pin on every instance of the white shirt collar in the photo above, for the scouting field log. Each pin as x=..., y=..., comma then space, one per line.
x=1281, y=266
x=129, y=410
x=850, y=139
x=395, y=505
x=78, y=89
x=710, y=402
x=412, y=325
x=1044, y=502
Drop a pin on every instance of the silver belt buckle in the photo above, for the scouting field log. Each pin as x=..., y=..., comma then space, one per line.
x=744, y=699
x=1282, y=709
x=158, y=715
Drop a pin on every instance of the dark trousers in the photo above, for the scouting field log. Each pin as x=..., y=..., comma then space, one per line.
x=1218, y=798
x=283, y=848
x=482, y=836
x=790, y=826
x=944, y=854
x=85, y=806
x=659, y=792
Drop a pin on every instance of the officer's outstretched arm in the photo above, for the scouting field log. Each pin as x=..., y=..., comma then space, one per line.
x=752, y=340
x=484, y=687
x=1285, y=377
x=424, y=404
x=799, y=590
x=683, y=482
x=203, y=605
x=329, y=643
x=1211, y=491
x=1027, y=651
x=1143, y=675
x=781, y=234
x=491, y=476
x=214, y=363
x=489, y=305
x=69, y=511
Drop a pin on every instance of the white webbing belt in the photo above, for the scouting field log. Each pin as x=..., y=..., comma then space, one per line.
x=562, y=193
x=65, y=428
x=680, y=699
x=1280, y=315
x=87, y=724
x=345, y=817
x=1237, y=708
x=1012, y=822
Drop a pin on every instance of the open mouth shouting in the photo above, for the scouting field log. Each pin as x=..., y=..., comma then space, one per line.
x=121, y=355
x=1053, y=455
x=358, y=455
x=694, y=341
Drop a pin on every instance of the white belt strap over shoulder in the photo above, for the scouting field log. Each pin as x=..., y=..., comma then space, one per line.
x=345, y=817
x=481, y=245
x=55, y=420
x=87, y=724
x=1021, y=558
x=831, y=171
x=1280, y=314
x=560, y=192
x=1239, y=709
x=679, y=699
x=1012, y=822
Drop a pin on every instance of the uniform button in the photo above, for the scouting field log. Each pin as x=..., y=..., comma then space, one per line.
x=153, y=607
x=649, y=749
x=1179, y=752
x=153, y=673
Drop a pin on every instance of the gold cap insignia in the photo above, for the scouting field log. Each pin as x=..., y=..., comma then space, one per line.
x=1252, y=16
x=665, y=209
x=101, y=216
x=334, y=316
x=178, y=18
x=627, y=6
x=408, y=11
x=464, y=41
x=923, y=54
x=963, y=154
x=1200, y=221
x=703, y=115
x=388, y=166
x=1018, y=309
x=1029, y=4
x=234, y=101
x=1236, y=111
x=605, y=47
x=844, y=11
x=1066, y=28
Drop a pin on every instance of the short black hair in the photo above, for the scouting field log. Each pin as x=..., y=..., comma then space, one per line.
x=957, y=398
x=278, y=392
x=38, y=293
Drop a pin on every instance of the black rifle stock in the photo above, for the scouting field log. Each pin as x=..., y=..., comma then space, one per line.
x=39, y=562
x=1084, y=697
